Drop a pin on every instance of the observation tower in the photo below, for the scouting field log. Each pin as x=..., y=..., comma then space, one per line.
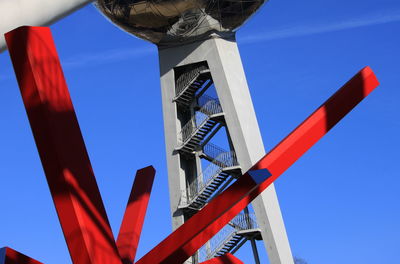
x=211, y=131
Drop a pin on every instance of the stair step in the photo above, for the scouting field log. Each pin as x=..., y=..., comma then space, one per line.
x=209, y=123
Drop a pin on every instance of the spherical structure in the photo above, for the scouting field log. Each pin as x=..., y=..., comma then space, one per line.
x=171, y=22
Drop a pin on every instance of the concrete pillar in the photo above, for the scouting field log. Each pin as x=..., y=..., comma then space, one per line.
x=172, y=125
x=224, y=61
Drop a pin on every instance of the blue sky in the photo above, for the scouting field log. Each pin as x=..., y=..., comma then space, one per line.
x=340, y=201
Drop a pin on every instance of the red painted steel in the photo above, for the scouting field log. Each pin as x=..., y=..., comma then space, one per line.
x=61, y=147
x=225, y=259
x=10, y=256
x=72, y=182
x=189, y=237
x=132, y=223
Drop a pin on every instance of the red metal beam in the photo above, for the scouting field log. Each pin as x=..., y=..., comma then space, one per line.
x=132, y=223
x=61, y=147
x=189, y=237
x=224, y=259
x=10, y=256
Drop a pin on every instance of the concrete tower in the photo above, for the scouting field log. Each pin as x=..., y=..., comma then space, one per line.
x=191, y=119
x=205, y=95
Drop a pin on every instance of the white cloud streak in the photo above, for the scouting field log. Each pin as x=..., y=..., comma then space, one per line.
x=318, y=28
x=115, y=55
x=105, y=57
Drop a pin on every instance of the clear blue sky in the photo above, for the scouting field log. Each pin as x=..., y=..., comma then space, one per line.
x=340, y=202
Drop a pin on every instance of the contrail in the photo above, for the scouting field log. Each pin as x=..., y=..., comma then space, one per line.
x=111, y=56
x=104, y=57
x=317, y=28
x=114, y=55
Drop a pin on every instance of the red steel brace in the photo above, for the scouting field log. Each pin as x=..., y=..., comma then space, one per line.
x=66, y=163
x=10, y=256
x=194, y=233
x=132, y=223
x=131, y=226
x=61, y=147
x=73, y=185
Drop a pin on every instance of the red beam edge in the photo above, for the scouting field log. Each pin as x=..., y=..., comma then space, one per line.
x=189, y=237
x=61, y=146
x=224, y=259
x=10, y=256
x=132, y=223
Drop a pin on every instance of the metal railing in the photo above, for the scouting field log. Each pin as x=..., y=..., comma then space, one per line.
x=223, y=160
x=210, y=106
x=202, y=100
x=197, y=187
x=222, y=157
x=208, y=251
x=242, y=221
x=188, y=78
x=201, y=117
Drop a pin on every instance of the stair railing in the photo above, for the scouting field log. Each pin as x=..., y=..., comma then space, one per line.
x=225, y=158
x=187, y=78
x=242, y=221
x=216, y=243
x=212, y=107
x=197, y=187
x=213, y=170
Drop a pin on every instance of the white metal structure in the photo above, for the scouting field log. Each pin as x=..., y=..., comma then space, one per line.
x=16, y=13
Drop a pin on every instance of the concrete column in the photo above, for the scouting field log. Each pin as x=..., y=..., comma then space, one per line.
x=181, y=170
x=172, y=124
x=230, y=82
x=231, y=85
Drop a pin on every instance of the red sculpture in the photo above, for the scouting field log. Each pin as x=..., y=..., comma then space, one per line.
x=73, y=185
x=10, y=256
x=132, y=223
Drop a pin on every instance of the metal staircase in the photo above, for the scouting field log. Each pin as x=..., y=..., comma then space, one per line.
x=222, y=169
x=231, y=242
x=219, y=156
x=232, y=236
x=206, y=117
x=190, y=82
x=199, y=126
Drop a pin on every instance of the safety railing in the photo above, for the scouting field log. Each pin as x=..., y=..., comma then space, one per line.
x=206, y=178
x=201, y=117
x=197, y=187
x=188, y=78
x=202, y=100
x=219, y=155
x=243, y=221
